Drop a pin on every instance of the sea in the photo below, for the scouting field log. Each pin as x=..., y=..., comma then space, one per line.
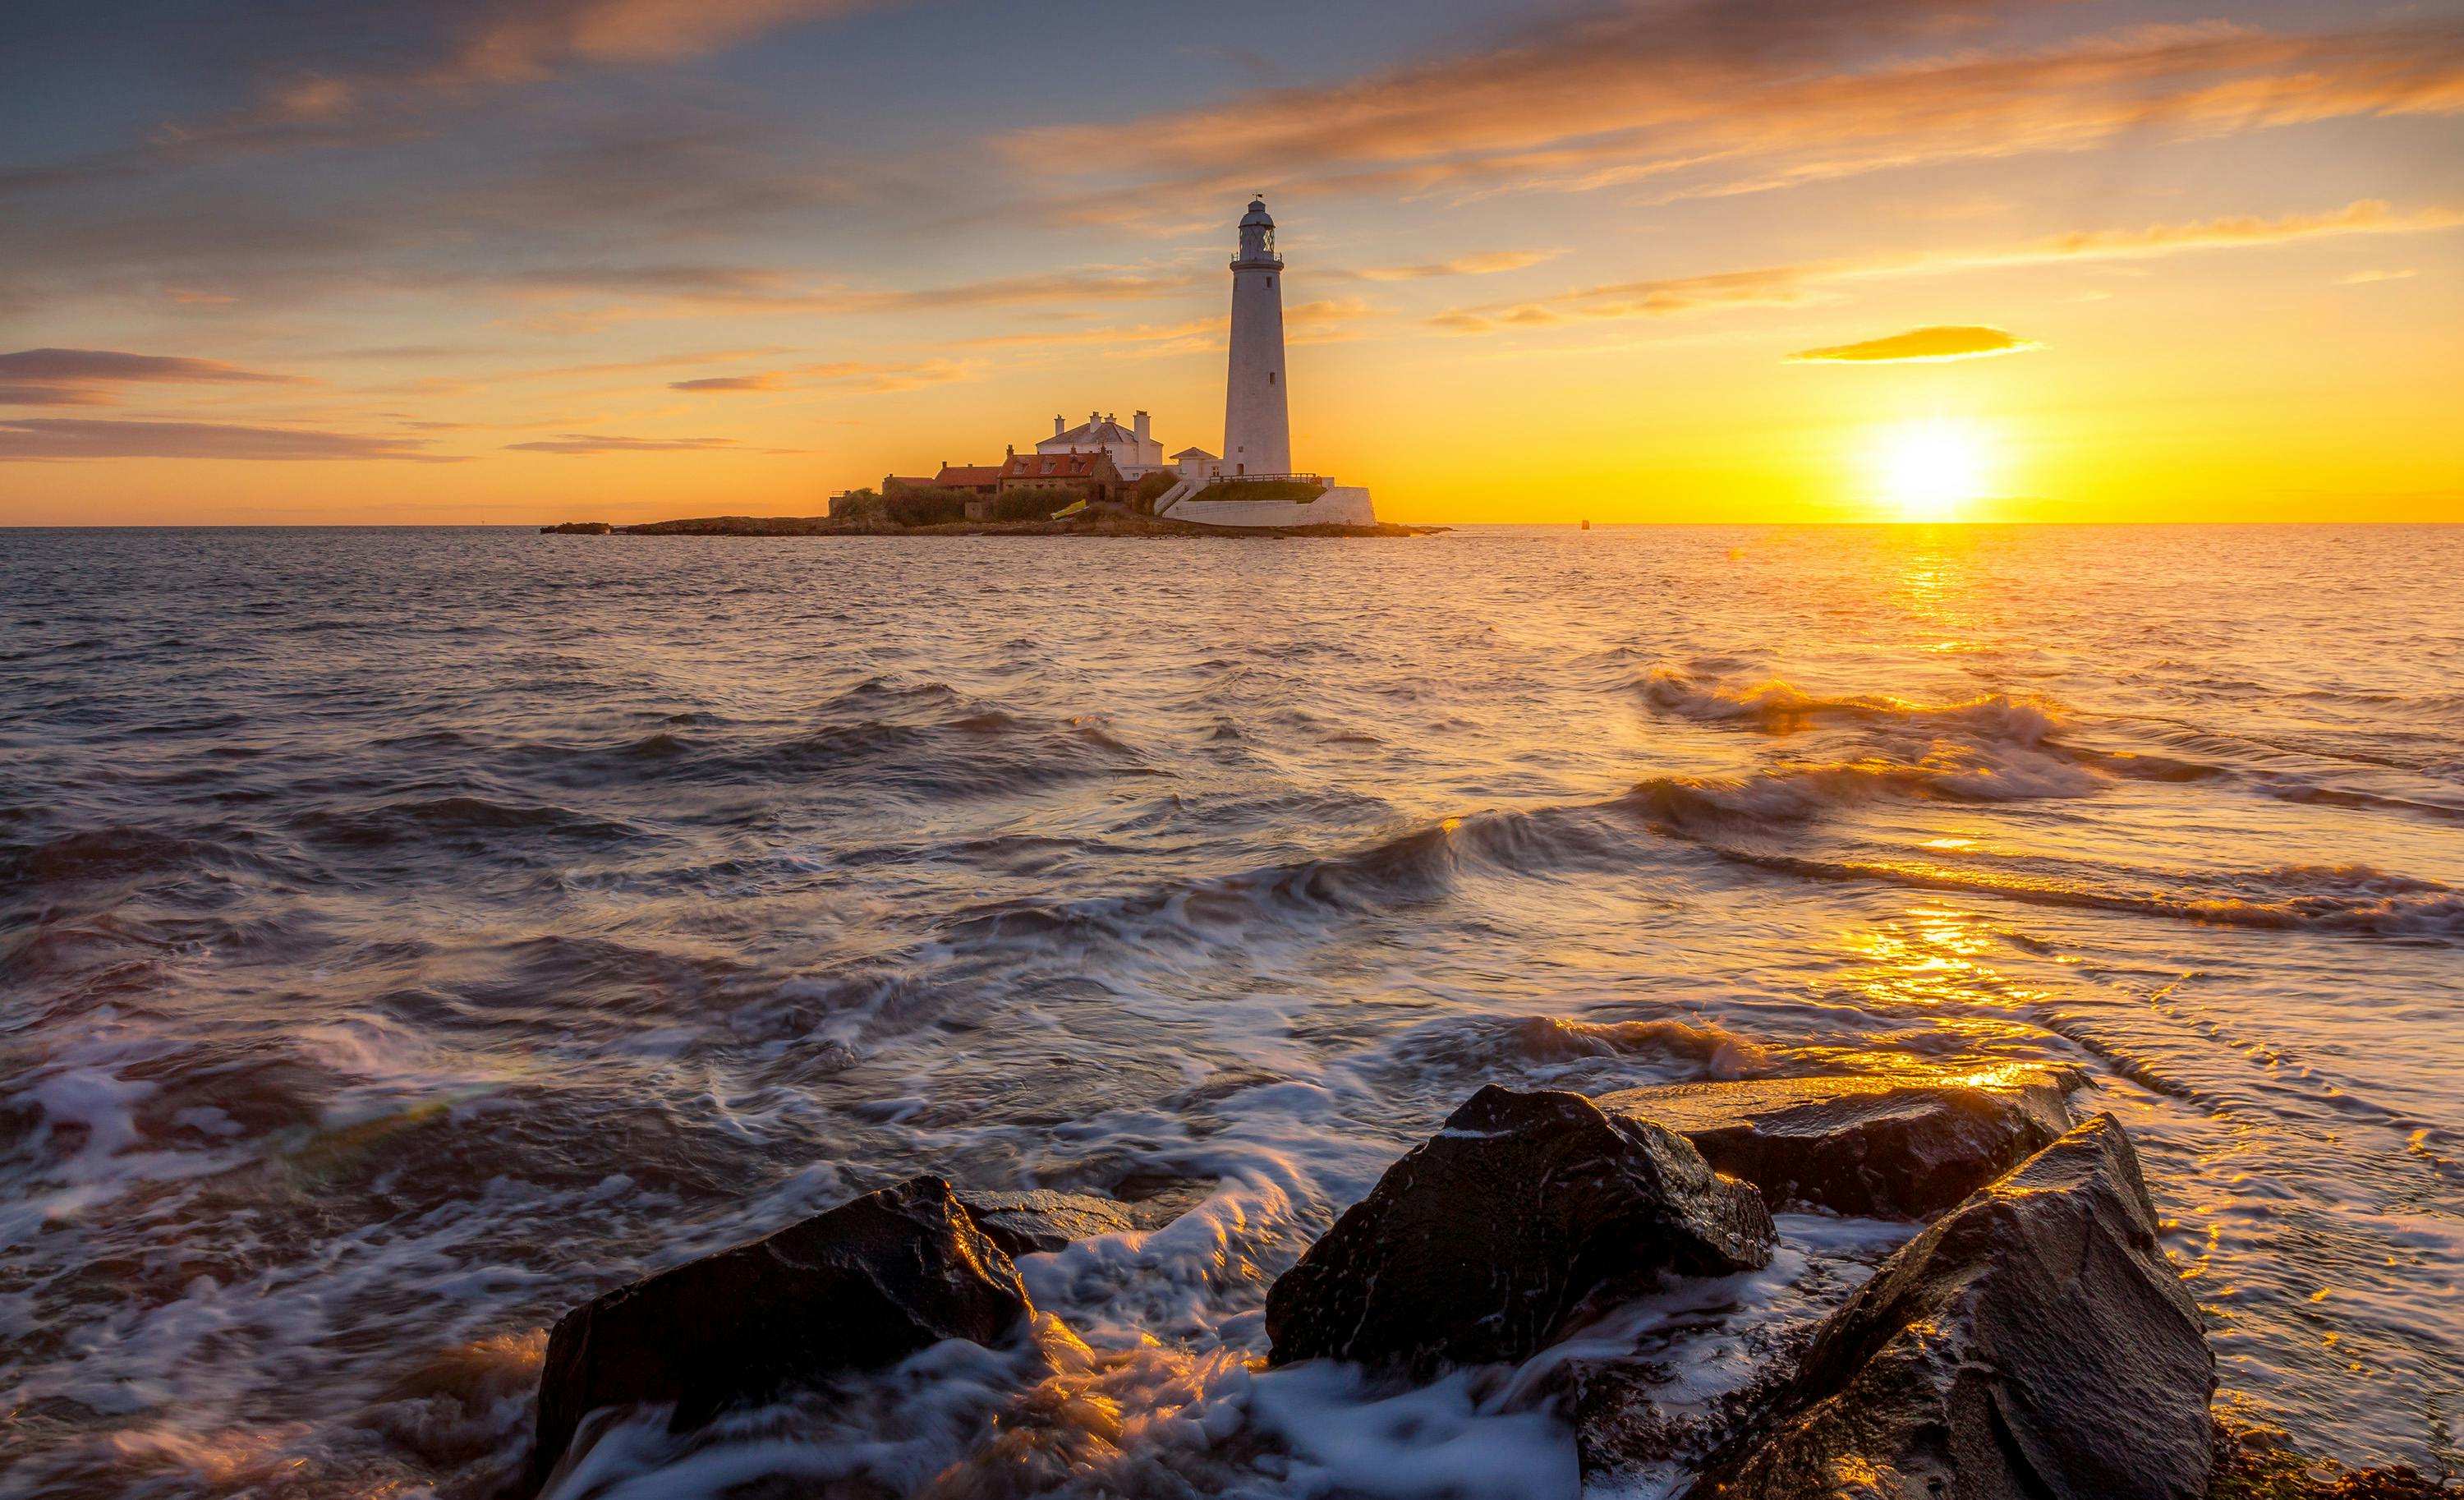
x=407, y=935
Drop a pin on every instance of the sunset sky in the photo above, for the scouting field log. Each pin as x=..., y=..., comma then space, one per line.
x=278, y=262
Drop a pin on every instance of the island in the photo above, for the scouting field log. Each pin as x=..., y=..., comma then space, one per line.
x=1103, y=479
x=1108, y=521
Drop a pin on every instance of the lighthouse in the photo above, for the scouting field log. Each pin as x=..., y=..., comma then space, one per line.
x=1257, y=427
x=1257, y=421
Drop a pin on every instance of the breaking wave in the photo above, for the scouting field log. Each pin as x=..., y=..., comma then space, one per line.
x=1775, y=707
x=2343, y=898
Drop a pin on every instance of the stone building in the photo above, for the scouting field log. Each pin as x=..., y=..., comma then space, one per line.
x=1136, y=452
x=1089, y=474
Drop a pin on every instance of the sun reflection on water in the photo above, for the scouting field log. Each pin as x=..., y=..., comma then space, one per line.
x=1932, y=961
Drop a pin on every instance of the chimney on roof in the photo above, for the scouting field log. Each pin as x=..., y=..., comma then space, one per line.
x=1139, y=424
x=1092, y=419
x=1056, y=424
x=1009, y=449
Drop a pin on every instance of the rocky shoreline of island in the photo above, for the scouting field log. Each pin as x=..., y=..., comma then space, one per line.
x=2028, y=1340
x=1111, y=523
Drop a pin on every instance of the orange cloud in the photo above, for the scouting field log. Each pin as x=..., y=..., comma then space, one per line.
x=64, y=438
x=530, y=39
x=1941, y=341
x=772, y=380
x=589, y=443
x=1675, y=92
x=87, y=377
x=1783, y=285
x=1483, y=265
x=860, y=374
x=600, y=296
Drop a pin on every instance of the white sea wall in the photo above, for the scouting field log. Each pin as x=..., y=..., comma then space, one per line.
x=1344, y=505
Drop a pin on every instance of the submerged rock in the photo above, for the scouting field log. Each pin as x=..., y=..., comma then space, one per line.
x=1042, y=1220
x=2032, y=1344
x=1875, y=1147
x=1504, y=1230
x=864, y=1285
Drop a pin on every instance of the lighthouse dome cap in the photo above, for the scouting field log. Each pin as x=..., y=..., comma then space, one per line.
x=1257, y=214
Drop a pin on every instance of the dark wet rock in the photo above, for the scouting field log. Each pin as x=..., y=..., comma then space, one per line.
x=1506, y=1229
x=1877, y=1147
x=862, y=1285
x=1628, y=1425
x=1155, y=1199
x=2032, y=1344
x=1042, y=1220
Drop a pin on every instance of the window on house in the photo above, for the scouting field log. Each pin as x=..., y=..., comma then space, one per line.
x=1270, y=377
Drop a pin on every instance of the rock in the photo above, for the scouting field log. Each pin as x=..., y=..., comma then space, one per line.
x=1507, y=1229
x=862, y=1285
x=2032, y=1344
x=1042, y=1220
x=1876, y=1147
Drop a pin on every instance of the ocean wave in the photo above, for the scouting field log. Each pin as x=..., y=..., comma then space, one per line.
x=2309, y=792
x=1548, y=1048
x=455, y=816
x=1421, y=864
x=2340, y=898
x=114, y=853
x=1994, y=748
x=1798, y=793
x=1775, y=707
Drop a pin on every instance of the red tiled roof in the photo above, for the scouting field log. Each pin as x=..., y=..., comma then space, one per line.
x=955, y=474
x=1048, y=466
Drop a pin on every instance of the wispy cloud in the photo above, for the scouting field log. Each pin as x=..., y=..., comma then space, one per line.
x=860, y=374
x=523, y=39
x=1715, y=97
x=1330, y=319
x=90, y=377
x=588, y=443
x=1481, y=265
x=1790, y=284
x=1940, y=341
x=2364, y=217
x=2365, y=278
x=767, y=380
x=416, y=52
x=598, y=296
x=66, y=437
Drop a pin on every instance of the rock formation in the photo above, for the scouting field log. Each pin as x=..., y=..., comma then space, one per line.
x=1880, y=1147
x=1042, y=1220
x=1506, y=1230
x=2032, y=1344
x=862, y=1285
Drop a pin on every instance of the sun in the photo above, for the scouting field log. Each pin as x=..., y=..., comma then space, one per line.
x=1931, y=469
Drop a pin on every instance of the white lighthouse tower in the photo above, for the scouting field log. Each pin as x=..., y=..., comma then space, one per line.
x=1257, y=425
x=1257, y=421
